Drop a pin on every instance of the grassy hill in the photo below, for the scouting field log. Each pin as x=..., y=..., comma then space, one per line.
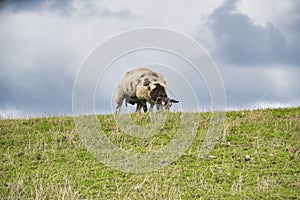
x=44, y=159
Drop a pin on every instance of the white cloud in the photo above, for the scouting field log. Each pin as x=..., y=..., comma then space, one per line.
x=269, y=11
x=259, y=85
x=180, y=15
x=12, y=114
x=285, y=81
x=282, y=14
x=233, y=38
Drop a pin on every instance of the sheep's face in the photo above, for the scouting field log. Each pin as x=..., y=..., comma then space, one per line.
x=159, y=96
x=157, y=93
x=168, y=103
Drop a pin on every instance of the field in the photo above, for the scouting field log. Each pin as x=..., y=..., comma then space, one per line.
x=256, y=157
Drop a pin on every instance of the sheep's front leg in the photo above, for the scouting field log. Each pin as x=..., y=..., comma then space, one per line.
x=141, y=104
x=159, y=107
x=145, y=106
x=151, y=107
x=138, y=107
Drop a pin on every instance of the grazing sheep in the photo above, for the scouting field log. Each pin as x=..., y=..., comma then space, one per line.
x=140, y=86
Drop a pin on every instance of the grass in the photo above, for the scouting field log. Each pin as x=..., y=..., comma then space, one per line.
x=44, y=158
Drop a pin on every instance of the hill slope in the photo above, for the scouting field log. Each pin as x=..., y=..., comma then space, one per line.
x=45, y=159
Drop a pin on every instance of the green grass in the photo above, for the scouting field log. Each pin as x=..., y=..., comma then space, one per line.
x=44, y=159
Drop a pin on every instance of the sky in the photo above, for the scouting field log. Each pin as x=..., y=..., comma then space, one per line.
x=254, y=43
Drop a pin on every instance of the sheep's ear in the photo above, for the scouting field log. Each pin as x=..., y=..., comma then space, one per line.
x=173, y=101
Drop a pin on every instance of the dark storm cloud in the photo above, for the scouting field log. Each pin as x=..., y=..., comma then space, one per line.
x=31, y=5
x=240, y=42
x=64, y=7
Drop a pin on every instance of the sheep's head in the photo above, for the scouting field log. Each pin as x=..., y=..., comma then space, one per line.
x=159, y=96
x=168, y=103
x=157, y=92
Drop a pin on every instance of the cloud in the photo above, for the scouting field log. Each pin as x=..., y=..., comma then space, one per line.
x=262, y=12
x=251, y=86
x=255, y=46
x=235, y=38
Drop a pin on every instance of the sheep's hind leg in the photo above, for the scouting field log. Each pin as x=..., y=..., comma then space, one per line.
x=120, y=102
x=118, y=108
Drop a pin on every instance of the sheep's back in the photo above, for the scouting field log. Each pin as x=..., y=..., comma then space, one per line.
x=139, y=78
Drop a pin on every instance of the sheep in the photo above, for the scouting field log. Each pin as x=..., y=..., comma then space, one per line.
x=140, y=86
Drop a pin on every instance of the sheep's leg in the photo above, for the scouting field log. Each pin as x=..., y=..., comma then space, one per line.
x=144, y=106
x=141, y=104
x=138, y=107
x=158, y=106
x=151, y=107
x=119, y=104
x=119, y=100
x=167, y=106
x=126, y=97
